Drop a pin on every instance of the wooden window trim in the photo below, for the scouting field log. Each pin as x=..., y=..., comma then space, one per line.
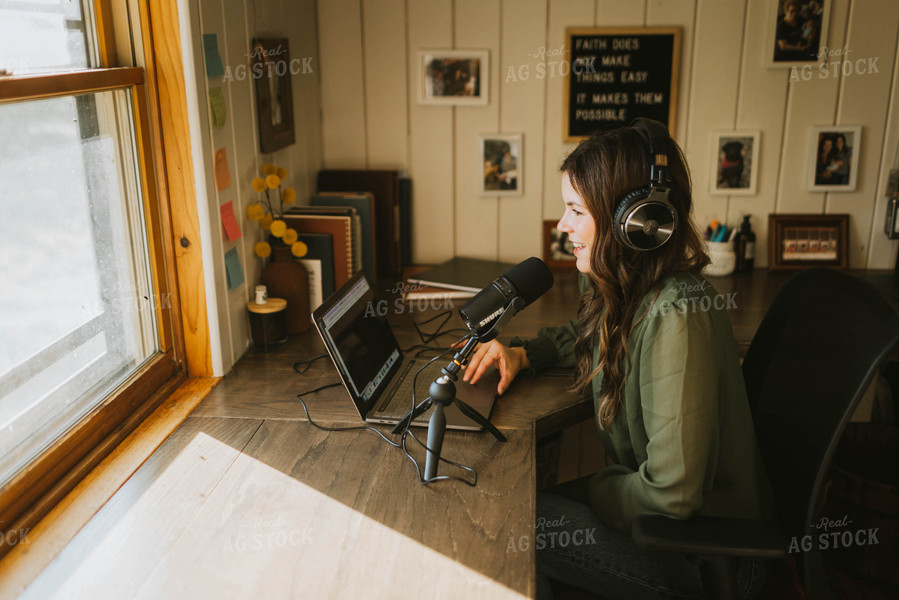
x=165, y=172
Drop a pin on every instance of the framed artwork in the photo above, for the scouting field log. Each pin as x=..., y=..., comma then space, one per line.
x=453, y=77
x=833, y=158
x=736, y=158
x=501, y=162
x=274, y=99
x=797, y=32
x=799, y=241
x=558, y=253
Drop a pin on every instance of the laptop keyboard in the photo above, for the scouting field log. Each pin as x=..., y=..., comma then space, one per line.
x=401, y=401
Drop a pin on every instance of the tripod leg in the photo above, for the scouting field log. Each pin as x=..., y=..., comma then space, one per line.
x=479, y=419
x=412, y=414
x=436, y=429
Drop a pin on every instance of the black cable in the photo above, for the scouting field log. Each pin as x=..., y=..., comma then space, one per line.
x=308, y=362
x=323, y=428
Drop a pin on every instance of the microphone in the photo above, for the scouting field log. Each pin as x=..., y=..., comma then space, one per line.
x=509, y=293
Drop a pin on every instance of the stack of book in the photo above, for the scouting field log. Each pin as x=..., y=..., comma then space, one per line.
x=457, y=278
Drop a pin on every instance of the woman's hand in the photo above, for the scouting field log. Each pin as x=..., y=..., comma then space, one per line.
x=509, y=362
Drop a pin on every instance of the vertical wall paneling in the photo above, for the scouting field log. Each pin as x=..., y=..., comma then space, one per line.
x=812, y=102
x=620, y=13
x=477, y=26
x=562, y=14
x=682, y=13
x=522, y=110
x=342, y=83
x=235, y=24
x=386, y=99
x=760, y=105
x=882, y=252
x=431, y=139
x=873, y=26
x=716, y=63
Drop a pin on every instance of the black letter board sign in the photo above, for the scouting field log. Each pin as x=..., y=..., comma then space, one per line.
x=619, y=74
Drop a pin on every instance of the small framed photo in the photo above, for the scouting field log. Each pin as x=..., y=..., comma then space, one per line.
x=735, y=170
x=453, y=77
x=797, y=32
x=274, y=98
x=501, y=164
x=833, y=158
x=558, y=252
x=799, y=241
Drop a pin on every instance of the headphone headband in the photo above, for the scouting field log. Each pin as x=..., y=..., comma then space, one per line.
x=656, y=135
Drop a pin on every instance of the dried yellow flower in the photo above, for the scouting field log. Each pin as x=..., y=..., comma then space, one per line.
x=255, y=211
x=282, y=172
x=269, y=169
x=290, y=236
x=258, y=184
x=263, y=249
x=278, y=227
x=288, y=195
x=273, y=181
x=266, y=221
x=299, y=249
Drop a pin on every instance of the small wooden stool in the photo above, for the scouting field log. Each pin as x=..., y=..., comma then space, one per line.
x=268, y=323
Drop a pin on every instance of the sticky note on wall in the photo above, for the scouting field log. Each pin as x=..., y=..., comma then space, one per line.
x=233, y=268
x=222, y=173
x=217, y=107
x=214, y=66
x=230, y=221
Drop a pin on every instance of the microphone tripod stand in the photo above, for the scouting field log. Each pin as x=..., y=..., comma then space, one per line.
x=442, y=393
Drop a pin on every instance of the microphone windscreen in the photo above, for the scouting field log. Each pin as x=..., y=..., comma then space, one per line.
x=531, y=277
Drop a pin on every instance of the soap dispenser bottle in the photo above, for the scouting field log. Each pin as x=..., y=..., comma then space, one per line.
x=744, y=246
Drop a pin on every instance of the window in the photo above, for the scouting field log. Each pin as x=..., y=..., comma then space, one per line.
x=85, y=316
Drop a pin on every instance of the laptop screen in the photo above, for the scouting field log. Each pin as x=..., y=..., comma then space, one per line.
x=360, y=341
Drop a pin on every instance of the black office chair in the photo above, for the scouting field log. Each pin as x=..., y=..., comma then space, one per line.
x=817, y=350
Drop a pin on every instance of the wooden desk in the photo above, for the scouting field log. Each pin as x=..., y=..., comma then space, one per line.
x=248, y=500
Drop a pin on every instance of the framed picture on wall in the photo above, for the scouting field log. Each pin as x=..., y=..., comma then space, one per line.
x=736, y=158
x=799, y=241
x=274, y=99
x=501, y=162
x=797, y=32
x=833, y=158
x=558, y=252
x=453, y=77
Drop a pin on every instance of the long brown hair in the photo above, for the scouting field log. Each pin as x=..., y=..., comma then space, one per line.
x=603, y=169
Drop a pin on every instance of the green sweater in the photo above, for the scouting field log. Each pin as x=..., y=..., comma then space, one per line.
x=683, y=438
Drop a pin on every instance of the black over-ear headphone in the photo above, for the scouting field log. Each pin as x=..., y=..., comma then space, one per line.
x=644, y=218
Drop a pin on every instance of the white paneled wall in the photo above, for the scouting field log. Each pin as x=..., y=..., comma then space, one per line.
x=236, y=23
x=371, y=117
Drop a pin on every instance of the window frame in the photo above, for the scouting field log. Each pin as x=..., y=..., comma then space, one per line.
x=167, y=190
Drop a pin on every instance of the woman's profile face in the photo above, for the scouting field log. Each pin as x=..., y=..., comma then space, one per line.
x=578, y=223
x=826, y=145
x=841, y=143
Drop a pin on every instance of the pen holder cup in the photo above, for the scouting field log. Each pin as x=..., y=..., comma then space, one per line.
x=723, y=259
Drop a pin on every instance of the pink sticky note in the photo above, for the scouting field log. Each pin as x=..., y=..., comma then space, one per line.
x=230, y=222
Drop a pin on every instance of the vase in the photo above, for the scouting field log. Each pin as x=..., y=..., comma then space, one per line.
x=288, y=279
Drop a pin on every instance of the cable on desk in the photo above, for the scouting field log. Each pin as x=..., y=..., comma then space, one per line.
x=323, y=428
x=308, y=362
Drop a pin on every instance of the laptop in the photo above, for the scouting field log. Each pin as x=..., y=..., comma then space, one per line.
x=373, y=369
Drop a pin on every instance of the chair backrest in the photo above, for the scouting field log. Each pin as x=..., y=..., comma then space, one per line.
x=813, y=357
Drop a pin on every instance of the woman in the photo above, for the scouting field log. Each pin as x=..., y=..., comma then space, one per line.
x=655, y=348
x=823, y=168
x=840, y=160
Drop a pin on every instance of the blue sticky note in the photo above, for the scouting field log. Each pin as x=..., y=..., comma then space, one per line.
x=232, y=265
x=214, y=66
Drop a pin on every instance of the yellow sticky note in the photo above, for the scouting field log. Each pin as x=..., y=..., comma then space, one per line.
x=217, y=106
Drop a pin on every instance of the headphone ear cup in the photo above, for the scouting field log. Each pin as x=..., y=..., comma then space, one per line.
x=624, y=207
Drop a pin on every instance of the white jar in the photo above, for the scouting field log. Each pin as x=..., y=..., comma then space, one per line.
x=261, y=294
x=723, y=259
